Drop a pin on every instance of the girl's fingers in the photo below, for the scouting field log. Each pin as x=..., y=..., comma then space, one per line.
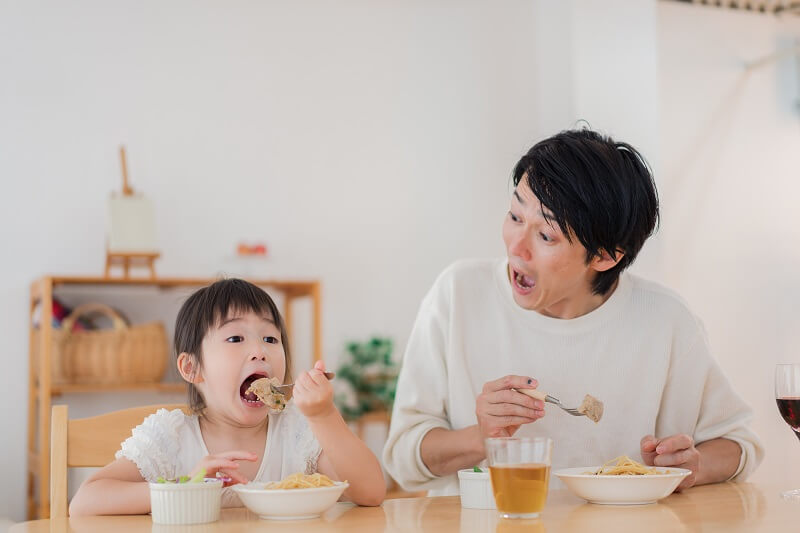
x=237, y=477
x=237, y=455
x=214, y=465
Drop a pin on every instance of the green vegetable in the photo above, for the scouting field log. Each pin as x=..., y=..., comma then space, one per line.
x=476, y=469
x=197, y=478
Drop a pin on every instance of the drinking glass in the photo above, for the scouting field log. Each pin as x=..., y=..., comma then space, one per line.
x=787, y=395
x=519, y=468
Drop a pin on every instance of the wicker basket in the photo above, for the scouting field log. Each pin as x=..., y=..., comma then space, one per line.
x=123, y=354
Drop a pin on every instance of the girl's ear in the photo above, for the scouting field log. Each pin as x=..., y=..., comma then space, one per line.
x=189, y=368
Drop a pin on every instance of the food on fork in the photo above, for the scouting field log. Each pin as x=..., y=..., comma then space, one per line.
x=262, y=388
x=592, y=408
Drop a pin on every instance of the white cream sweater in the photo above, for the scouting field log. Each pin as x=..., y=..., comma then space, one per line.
x=642, y=353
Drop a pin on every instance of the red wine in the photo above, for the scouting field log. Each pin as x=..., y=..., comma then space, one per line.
x=790, y=411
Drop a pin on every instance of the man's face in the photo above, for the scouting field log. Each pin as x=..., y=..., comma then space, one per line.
x=548, y=273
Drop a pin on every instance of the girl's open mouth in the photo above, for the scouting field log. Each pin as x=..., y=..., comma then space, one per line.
x=249, y=398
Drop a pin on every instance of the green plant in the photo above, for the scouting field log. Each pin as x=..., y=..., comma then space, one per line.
x=367, y=378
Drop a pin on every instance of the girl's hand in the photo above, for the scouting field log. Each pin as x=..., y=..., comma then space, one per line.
x=225, y=465
x=313, y=393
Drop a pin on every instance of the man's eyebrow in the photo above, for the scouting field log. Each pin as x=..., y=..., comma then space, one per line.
x=549, y=217
x=519, y=198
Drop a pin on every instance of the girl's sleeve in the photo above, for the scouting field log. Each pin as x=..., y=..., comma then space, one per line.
x=154, y=444
x=302, y=450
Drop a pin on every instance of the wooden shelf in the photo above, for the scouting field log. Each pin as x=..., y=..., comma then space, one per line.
x=42, y=389
x=69, y=388
x=296, y=286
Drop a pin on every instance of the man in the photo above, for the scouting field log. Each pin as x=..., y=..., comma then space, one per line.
x=559, y=313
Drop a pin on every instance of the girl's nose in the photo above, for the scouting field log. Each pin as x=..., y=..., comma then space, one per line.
x=259, y=353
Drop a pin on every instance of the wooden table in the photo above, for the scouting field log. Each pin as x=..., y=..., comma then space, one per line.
x=729, y=507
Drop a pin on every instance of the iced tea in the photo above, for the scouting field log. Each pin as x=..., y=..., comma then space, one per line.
x=520, y=489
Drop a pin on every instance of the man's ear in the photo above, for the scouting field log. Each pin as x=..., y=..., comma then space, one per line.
x=189, y=368
x=603, y=260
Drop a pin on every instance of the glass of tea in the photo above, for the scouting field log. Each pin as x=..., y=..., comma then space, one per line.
x=519, y=468
x=787, y=394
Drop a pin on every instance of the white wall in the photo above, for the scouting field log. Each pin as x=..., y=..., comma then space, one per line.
x=730, y=147
x=369, y=144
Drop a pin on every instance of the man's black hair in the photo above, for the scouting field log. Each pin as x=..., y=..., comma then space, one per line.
x=598, y=190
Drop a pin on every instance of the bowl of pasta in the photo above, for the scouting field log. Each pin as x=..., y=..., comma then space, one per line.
x=622, y=481
x=296, y=497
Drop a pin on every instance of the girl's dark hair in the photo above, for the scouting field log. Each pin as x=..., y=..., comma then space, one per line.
x=599, y=190
x=208, y=307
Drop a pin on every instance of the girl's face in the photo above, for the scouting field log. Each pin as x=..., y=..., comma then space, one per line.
x=240, y=349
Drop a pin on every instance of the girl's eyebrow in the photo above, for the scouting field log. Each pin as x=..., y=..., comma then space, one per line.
x=229, y=320
x=235, y=318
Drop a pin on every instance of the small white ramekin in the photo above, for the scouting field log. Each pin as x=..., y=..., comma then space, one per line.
x=185, y=503
x=476, y=489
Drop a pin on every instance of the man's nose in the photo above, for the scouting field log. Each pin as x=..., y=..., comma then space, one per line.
x=519, y=246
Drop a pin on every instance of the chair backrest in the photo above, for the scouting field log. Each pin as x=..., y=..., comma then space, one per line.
x=89, y=441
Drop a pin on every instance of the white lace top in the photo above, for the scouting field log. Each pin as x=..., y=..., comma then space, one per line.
x=169, y=444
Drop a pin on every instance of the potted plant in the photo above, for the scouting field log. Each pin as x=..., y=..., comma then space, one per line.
x=366, y=379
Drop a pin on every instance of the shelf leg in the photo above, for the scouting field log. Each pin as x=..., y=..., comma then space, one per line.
x=32, y=358
x=45, y=338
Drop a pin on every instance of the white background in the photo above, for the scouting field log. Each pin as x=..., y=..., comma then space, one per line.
x=370, y=144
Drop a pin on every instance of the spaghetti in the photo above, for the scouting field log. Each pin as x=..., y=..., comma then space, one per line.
x=301, y=481
x=625, y=466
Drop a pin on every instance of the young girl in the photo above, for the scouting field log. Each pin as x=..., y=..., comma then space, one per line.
x=227, y=335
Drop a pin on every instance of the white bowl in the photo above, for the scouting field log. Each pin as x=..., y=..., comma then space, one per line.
x=621, y=490
x=476, y=489
x=289, y=504
x=185, y=503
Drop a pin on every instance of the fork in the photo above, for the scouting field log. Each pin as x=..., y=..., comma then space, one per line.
x=287, y=388
x=540, y=395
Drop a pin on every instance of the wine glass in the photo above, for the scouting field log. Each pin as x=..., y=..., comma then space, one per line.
x=787, y=395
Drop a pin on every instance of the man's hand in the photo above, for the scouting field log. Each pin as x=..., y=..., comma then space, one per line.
x=501, y=410
x=676, y=450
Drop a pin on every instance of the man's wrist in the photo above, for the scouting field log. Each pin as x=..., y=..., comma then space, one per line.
x=476, y=438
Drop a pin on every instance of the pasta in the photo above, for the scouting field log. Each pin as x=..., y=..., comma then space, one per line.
x=625, y=466
x=301, y=481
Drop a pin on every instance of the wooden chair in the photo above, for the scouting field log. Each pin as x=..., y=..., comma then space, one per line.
x=88, y=442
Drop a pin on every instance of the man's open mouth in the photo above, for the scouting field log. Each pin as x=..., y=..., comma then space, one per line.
x=250, y=397
x=523, y=281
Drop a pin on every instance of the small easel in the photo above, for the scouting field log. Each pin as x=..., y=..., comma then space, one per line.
x=132, y=212
x=131, y=259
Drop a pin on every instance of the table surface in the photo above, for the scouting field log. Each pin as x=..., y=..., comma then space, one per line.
x=728, y=507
